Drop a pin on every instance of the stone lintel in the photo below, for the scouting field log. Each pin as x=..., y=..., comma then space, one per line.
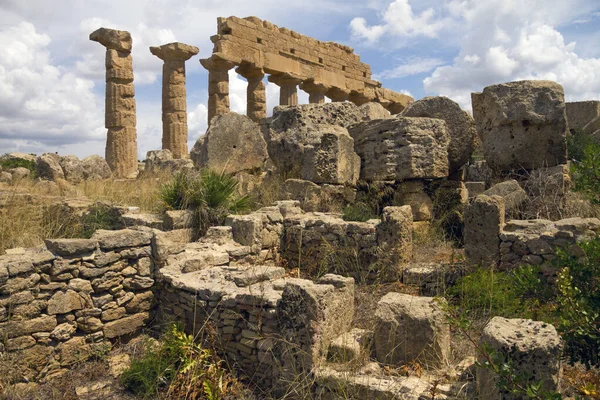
x=174, y=51
x=112, y=39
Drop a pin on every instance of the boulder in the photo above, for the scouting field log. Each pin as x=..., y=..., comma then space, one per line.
x=331, y=159
x=48, y=167
x=534, y=349
x=5, y=177
x=232, y=143
x=371, y=111
x=95, y=168
x=411, y=329
x=162, y=161
x=72, y=168
x=460, y=126
x=514, y=196
x=19, y=173
x=402, y=148
x=523, y=125
x=294, y=128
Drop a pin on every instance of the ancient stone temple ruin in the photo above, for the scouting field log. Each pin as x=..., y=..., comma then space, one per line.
x=321, y=69
x=120, y=117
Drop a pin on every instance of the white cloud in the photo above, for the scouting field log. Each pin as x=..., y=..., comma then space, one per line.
x=518, y=40
x=399, y=20
x=41, y=103
x=412, y=66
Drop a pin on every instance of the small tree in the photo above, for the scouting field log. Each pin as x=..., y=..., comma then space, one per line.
x=586, y=173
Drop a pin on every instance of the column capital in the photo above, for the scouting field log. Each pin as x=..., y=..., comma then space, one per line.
x=312, y=86
x=360, y=98
x=217, y=63
x=338, y=94
x=113, y=39
x=175, y=51
x=250, y=71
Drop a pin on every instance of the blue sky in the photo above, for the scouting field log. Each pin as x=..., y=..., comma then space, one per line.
x=52, y=76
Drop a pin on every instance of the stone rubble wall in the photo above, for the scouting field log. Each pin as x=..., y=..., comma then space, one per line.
x=59, y=302
x=489, y=241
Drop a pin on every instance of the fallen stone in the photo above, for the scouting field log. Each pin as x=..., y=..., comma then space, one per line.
x=514, y=196
x=71, y=247
x=48, y=167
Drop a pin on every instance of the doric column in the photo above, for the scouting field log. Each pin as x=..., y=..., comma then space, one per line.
x=174, y=107
x=316, y=91
x=218, y=85
x=120, y=119
x=256, y=96
x=338, y=94
x=288, y=88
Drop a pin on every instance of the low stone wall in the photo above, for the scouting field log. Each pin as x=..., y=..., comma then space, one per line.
x=59, y=302
x=491, y=241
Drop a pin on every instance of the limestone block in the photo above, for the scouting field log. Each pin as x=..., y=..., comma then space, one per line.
x=332, y=159
x=65, y=302
x=533, y=347
x=95, y=168
x=460, y=125
x=371, y=111
x=72, y=168
x=63, y=331
x=474, y=189
x=48, y=167
x=412, y=193
x=71, y=247
x=13, y=328
x=402, y=148
x=479, y=171
x=126, y=325
x=246, y=229
x=394, y=233
x=410, y=328
x=178, y=219
x=109, y=240
x=514, y=196
x=232, y=143
x=350, y=346
x=581, y=114
x=523, y=125
x=484, y=220
x=116, y=59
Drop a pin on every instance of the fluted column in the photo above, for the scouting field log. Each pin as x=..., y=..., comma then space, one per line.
x=174, y=104
x=288, y=88
x=218, y=85
x=337, y=94
x=120, y=117
x=316, y=91
x=256, y=96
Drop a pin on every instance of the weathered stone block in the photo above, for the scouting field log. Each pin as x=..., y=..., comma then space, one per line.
x=533, y=347
x=484, y=220
x=65, y=302
x=394, y=233
x=402, y=148
x=523, y=125
x=126, y=325
x=410, y=328
x=110, y=240
x=71, y=247
x=514, y=196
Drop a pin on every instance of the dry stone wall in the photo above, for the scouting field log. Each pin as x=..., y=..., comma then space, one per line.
x=59, y=302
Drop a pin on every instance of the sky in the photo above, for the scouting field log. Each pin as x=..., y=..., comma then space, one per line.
x=52, y=76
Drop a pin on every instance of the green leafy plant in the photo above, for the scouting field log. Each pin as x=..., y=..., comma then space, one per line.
x=586, y=173
x=210, y=194
x=577, y=142
x=579, y=298
x=178, y=367
x=8, y=163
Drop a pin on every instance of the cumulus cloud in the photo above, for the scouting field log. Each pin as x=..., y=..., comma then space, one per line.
x=514, y=42
x=41, y=103
x=399, y=20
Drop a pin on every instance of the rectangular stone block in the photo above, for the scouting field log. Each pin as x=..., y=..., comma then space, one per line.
x=118, y=60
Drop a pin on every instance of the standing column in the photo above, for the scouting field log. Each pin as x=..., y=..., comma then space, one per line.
x=256, y=96
x=288, y=88
x=316, y=91
x=174, y=107
x=338, y=94
x=218, y=85
x=120, y=120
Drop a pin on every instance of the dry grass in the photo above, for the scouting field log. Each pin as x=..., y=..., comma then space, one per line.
x=430, y=245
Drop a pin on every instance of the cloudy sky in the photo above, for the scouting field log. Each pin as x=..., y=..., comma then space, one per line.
x=52, y=76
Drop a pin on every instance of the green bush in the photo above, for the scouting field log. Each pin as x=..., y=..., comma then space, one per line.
x=99, y=216
x=577, y=142
x=180, y=367
x=586, y=173
x=8, y=163
x=211, y=195
x=579, y=300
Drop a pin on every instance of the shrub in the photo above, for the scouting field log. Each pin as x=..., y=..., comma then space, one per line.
x=586, y=173
x=8, y=163
x=181, y=368
x=359, y=211
x=99, y=216
x=210, y=194
x=577, y=142
x=579, y=299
